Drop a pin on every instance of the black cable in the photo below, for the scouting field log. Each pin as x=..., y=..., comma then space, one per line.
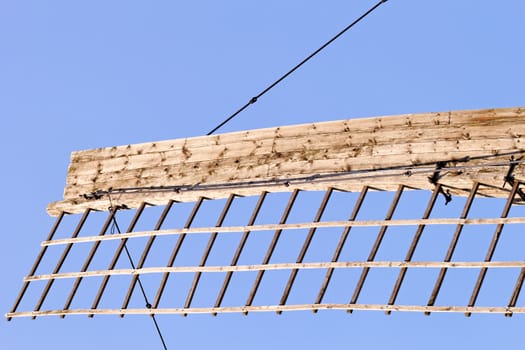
x=252, y=101
x=271, y=86
x=148, y=305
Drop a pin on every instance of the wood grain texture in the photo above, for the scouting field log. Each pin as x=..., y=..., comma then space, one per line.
x=362, y=149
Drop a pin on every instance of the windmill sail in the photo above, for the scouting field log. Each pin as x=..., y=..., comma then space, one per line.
x=394, y=213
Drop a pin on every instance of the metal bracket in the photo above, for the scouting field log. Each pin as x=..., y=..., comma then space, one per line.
x=119, y=207
x=435, y=178
x=94, y=195
x=436, y=175
x=510, y=179
x=447, y=195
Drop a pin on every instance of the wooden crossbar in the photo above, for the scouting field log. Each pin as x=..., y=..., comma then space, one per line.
x=298, y=226
x=266, y=308
x=283, y=266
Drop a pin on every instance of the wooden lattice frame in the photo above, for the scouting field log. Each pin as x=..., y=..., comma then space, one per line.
x=448, y=177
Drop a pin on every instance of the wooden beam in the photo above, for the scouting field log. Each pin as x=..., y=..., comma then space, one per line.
x=383, y=148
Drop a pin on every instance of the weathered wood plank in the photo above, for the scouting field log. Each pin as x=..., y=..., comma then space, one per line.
x=304, y=150
x=485, y=117
x=364, y=157
x=339, y=138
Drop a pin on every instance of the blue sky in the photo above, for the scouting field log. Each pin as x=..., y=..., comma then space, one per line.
x=79, y=75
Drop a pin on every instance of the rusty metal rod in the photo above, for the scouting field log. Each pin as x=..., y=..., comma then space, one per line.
x=116, y=256
x=240, y=247
x=452, y=246
x=61, y=260
x=144, y=255
x=413, y=246
x=175, y=252
x=517, y=289
x=340, y=245
x=375, y=247
x=306, y=245
x=519, y=284
x=207, y=251
x=36, y=264
x=492, y=246
x=92, y=252
x=271, y=248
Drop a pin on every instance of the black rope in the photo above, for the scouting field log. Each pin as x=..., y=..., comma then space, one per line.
x=148, y=305
x=271, y=86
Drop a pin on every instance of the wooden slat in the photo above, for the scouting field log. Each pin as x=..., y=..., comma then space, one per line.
x=413, y=245
x=36, y=264
x=92, y=252
x=453, y=244
x=269, y=308
x=306, y=245
x=175, y=252
x=295, y=226
x=145, y=252
x=377, y=244
x=271, y=247
x=492, y=246
x=281, y=266
x=207, y=251
x=239, y=249
x=290, y=151
x=340, y=245
x=62, y=259
x=117, y=255
x=517, y=289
